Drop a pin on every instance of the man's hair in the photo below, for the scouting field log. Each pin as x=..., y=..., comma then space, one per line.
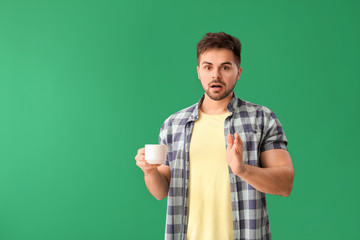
x=219, y=40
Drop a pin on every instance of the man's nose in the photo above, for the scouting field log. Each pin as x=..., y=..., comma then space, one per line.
x=216, y=74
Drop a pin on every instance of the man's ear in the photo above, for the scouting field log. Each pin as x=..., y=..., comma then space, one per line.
x=239, y=72
x=197, y=69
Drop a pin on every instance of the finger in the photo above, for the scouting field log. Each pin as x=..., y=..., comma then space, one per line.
x=141, y=151
x=150, y=166
x=238, y=139
x=143, y=164
x=140, y=157
x=230, y=141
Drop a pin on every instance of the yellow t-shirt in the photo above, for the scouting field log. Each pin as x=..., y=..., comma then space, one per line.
x=210, y=212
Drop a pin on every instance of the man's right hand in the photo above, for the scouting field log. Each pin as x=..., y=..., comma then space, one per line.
x=146, y=167
x=156, y=176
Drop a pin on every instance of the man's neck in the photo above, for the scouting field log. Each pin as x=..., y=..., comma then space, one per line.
x=213, y=107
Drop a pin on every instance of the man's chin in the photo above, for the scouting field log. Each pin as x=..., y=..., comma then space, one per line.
x=217, y=97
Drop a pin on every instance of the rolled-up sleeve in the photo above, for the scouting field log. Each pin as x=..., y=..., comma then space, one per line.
x=274, y=135
x=162, y=140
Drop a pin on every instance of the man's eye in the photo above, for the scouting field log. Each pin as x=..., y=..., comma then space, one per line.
x=207, y=67
x=226, y=68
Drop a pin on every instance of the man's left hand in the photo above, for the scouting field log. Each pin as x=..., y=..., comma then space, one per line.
x=234, y=154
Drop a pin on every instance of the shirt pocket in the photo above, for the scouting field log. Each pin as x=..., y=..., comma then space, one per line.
x=251, y=136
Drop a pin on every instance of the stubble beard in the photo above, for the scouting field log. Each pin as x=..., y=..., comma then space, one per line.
x=219, y=96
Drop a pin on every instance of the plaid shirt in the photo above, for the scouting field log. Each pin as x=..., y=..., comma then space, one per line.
x=259, y=129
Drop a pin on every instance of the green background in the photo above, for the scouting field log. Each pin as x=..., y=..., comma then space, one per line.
x=84, y=84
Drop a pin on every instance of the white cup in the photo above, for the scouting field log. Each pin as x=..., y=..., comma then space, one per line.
x=155, y=153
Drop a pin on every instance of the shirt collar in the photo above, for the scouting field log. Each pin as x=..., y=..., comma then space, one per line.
x=232, y=107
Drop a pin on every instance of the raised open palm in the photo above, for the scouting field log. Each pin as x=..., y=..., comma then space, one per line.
x=234, y=154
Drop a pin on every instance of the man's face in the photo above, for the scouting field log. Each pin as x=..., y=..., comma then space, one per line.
x=218, y=72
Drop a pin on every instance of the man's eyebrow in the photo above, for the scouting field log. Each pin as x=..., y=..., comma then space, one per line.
x=224, y=63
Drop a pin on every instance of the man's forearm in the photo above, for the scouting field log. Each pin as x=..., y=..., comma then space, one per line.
x=157, y=184
x=273, y=180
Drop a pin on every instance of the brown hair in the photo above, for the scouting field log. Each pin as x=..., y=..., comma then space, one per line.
x=220, y=40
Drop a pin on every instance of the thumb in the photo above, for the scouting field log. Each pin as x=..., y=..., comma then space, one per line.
x=230, y=141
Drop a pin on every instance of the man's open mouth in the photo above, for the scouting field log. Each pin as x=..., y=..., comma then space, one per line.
x=216, y=86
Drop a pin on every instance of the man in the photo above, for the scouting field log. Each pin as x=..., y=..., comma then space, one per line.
x=223, y=155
